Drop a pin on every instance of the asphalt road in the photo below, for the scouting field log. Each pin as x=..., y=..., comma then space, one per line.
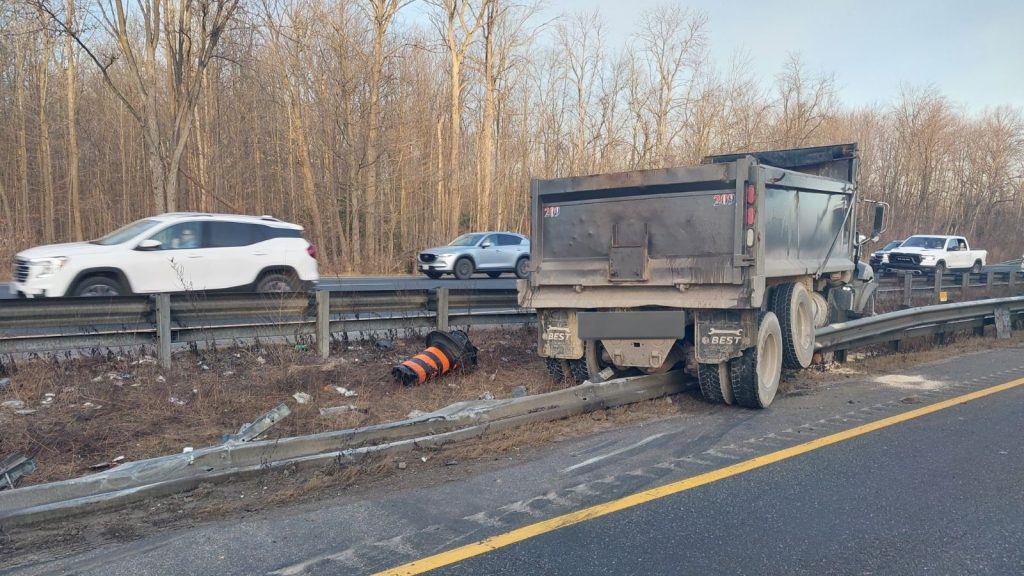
x=939, y=494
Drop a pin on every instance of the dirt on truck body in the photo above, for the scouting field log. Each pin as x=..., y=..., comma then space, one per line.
x=725, y=268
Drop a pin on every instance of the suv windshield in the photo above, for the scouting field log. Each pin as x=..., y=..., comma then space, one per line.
x=466, y=240
x=126, y=233
x=924, y=242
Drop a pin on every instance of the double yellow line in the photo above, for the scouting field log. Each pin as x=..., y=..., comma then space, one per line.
x=518, y=535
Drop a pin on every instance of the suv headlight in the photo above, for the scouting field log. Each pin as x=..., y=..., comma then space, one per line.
x=48, y=266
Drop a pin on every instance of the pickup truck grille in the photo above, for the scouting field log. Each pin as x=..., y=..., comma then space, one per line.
x=20, y=269
x=904, y=259
x=425, y=257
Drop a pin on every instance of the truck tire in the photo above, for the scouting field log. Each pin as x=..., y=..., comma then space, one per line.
x=940, y=269
x=715, y=386
x=976, y=269
x=756, y=374
x=558, y=369
x=796, y=312
x=820, y=310
x=591, y=364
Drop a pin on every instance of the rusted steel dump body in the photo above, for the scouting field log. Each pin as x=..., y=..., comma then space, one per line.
x=698, y=239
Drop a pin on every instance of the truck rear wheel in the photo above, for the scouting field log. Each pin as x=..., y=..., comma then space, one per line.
x=715, y=386
x=796, y=312
x=755, y=375
x=592, y=363
x=558, y=369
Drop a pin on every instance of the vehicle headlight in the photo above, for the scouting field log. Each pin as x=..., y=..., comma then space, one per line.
x=48, y=266
x=927, y=258
x=445, y=256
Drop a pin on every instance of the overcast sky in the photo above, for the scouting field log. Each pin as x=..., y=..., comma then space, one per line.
x=971, y=50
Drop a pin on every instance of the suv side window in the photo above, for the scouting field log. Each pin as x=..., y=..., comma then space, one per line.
x=492, y=238
x=232, y=234
x=509, y=240
x=183, y=236
x=271, y=232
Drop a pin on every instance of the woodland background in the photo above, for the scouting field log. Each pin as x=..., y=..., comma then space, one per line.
x=385, y=126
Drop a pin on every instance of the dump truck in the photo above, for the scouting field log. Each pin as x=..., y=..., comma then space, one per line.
x=725, y=268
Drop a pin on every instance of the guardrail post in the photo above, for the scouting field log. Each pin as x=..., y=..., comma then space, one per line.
x=938, y=286
x=1011, y=281
x=323, y=323
x=965, y=283
x=163, y=329
x=908, y=290
x=442, y=308
x=990, y=276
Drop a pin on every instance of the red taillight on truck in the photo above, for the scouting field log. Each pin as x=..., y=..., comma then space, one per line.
x=311, y=250
x=750, y=214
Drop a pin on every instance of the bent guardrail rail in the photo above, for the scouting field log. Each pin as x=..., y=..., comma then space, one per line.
x=142, y=479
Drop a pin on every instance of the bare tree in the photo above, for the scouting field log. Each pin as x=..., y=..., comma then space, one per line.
x=458, y=22
x=673, y=42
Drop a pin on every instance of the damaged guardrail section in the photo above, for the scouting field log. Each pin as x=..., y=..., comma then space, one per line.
x=180, y=472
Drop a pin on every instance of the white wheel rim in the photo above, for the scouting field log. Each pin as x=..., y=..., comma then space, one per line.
x=769, y=363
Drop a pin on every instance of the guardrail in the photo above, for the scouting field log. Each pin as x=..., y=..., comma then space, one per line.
x=163, y=320
x=945, y=287
x=937, y=321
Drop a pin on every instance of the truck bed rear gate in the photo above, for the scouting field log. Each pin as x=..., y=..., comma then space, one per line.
x=627, y=256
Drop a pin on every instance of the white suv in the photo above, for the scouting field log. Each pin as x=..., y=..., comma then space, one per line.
x=173, y=252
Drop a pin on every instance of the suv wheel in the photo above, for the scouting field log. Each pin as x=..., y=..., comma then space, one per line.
x=521, y=271
x=101, y=286
x=463, y=268
x=277, y=282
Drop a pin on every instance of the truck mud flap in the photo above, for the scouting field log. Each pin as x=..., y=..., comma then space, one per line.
x=721, y=335
x=559, y=334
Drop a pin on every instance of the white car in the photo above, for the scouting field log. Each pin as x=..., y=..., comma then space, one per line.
x=174, y=252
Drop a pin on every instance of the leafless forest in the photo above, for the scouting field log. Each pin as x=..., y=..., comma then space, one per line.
x=384, y=126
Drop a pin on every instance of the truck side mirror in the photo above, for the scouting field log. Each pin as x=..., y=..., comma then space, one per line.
x=876, y=230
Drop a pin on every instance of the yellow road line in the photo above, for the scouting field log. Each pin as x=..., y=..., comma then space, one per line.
x=518, y=535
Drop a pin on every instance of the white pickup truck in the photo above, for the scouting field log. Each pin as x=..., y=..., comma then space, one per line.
x=936, y=254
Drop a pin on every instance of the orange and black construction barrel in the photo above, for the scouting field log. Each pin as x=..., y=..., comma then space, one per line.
x=445, y=351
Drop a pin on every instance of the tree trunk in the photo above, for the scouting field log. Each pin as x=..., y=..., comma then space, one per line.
x=74, y=184
x=45, y=158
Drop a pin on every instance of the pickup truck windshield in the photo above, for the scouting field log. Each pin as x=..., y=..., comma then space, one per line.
x=126, y=233
x=924, y=242
x=893, y=244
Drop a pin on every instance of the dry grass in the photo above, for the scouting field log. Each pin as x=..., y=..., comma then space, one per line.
x=125, y=405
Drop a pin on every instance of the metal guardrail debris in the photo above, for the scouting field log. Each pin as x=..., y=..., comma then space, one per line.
x=142, y=479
